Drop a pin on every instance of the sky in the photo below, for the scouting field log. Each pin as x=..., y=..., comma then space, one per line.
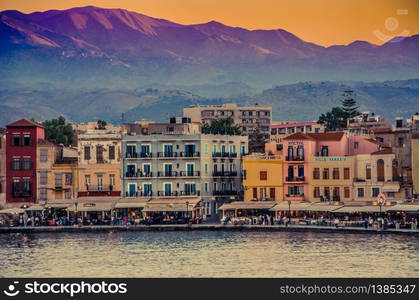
x=324, y=22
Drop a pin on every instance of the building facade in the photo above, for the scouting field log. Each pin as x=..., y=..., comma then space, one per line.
x=99, y=170
x=195, y=166
x=280, y=130
x=22, y=138
x=262, y=178
x=415, y=164
x=247, y=117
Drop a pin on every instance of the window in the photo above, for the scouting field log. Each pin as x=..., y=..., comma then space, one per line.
x=206, y=168
x=16, y=187
x=112, y=180
x=263, y=175
x=86, y=152
x=214, y=148
x=325, y=151
x=380, y=170
x=68, y=178
x=16, y=164
x=26, y=163
x=255, y=193
x=27, y=187
x=368, y=172
x=205, y=148
x=346, y=173
x=346, y=192
x=243, y=150
x=58, y=179
x=375, y=192
x=26, y=140
x=87, y=180
x=316, y=173
x=43, y=155
x=100, y=182
x=272, y=194
x=336, y=173
x=336, y=192
x=327, y=192
x=296, y=191
x=326, y=173
x=43, y=177
x=356, y=145
x=206, y=187
x=67, y=194
x=361, y=192
x=16, y=140
x=111, y=152
x=99, y=154
x=316, y=192
x=42, y=194
x=300, y=171
x=400, y=142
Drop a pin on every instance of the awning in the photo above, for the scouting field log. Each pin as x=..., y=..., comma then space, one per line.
x=405, y=207
x=130, y=204
x=283, y=206
x=248, y=205
x=57, y=205
x=323, y=207
x=35, y=208
x=92, y=207
x=170, y=206
x=366, y=208
x=12, y=211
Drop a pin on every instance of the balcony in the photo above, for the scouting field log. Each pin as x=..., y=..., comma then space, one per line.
x=224, y=193
x=167, y=174
x=294, y=158
x=224, y=173
x=189, y=173
x=139, y=194
x=98, y=190
x=224, y=154
x=138, y=155
x=167, y=154
x=295, y=197
x=177, y=193
x=138, y=174
x=189, y=154
x=295, y=179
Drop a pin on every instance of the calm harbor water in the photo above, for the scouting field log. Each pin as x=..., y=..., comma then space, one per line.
x=208, y=254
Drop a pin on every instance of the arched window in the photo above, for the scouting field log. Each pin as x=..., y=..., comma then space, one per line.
x=290, y=153
x=380, y=170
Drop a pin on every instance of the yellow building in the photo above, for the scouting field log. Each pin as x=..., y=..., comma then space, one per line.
x=99, y=169
x=415, y=163
x=56, y=171
x=263, y=180
x=331, y=178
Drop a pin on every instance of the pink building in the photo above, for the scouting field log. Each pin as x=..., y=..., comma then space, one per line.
x=301, y=149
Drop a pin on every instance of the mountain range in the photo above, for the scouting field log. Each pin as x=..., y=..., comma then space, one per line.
x=91, y=47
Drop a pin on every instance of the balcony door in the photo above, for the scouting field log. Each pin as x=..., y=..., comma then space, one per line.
x=190, y=188
x=168, y=169
x=290, y=172
x=147, y=189
x=190, y=149
x=132, y=189
x=168, y=150
x=167, y=189
x=190, y=169
x=145, y=149
x=380, y=170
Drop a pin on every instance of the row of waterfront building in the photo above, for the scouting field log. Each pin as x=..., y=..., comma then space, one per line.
x=172, y=168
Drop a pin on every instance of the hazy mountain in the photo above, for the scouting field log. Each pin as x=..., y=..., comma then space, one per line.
x=301, y=101
x=91, y=47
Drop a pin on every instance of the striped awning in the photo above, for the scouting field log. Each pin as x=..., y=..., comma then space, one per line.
x=177, y=205
x=12, y=211
x=322, y=207
x=405, y=207
x=365, y=208
x=92, y=207
x=131, y=204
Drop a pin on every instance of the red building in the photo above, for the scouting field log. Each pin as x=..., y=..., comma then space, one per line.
x=22, y=138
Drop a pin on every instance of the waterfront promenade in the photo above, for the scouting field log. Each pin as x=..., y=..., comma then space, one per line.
x=209, y=227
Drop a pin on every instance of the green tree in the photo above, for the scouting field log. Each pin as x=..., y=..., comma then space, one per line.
x=334, y=119
x=257, y=141
x=58, y=131
x=221, y=126
x=349, y=105
x=101, y=124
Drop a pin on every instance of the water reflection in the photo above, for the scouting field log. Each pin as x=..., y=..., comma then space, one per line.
x=208, y=254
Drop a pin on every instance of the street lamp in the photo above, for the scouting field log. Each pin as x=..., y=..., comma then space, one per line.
x=187, y=212
x=289, y=211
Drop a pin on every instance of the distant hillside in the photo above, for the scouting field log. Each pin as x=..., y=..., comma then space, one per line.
x=300, y=101
x=91, y=47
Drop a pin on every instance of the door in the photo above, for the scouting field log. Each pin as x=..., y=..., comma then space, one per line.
x=167, y=170
x=167, y=189
x=190, y=169
x=146, y=169
x=168, y=150
x=130, y=170
x=272, y=194
x=145, y=149
x=131, y=189
x=147, y=189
